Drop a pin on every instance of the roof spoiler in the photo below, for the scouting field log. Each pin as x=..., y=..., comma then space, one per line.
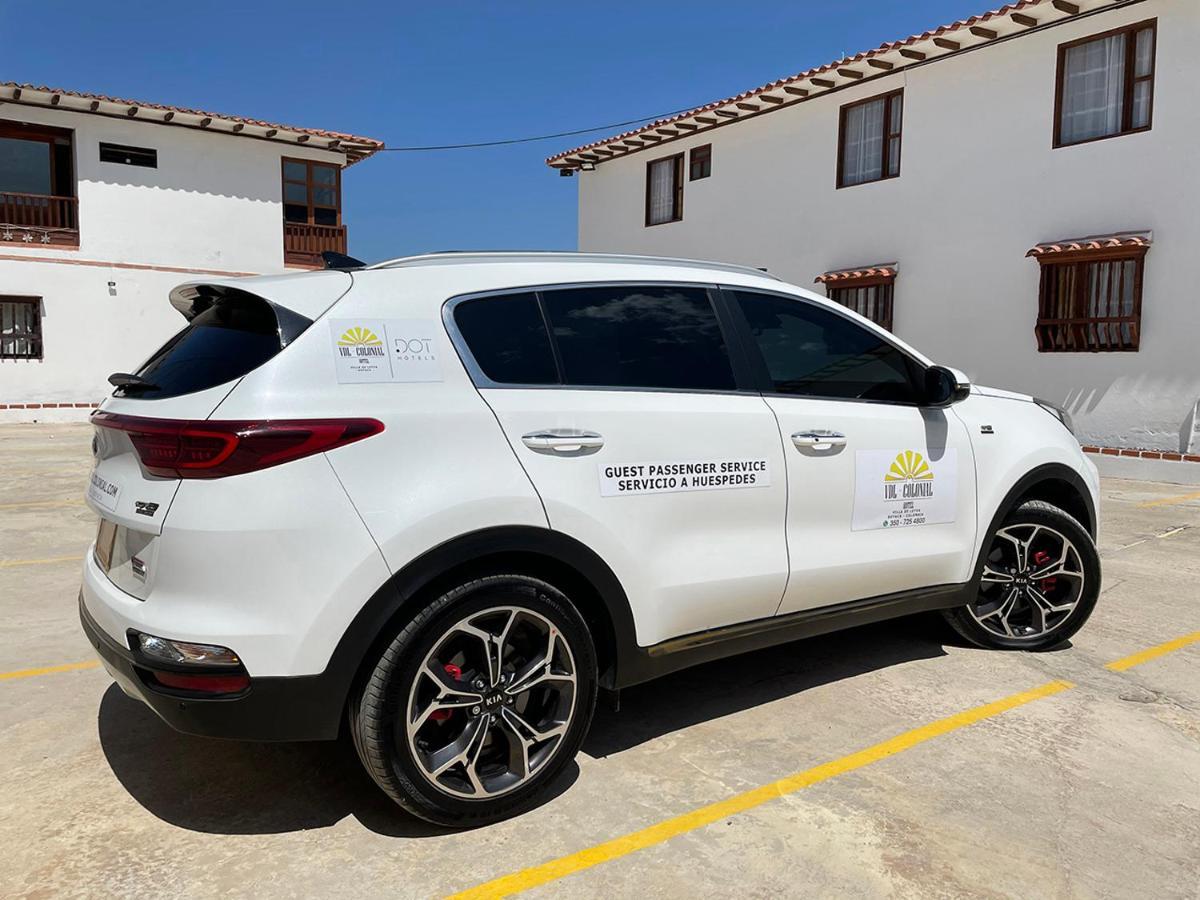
x=341, y=262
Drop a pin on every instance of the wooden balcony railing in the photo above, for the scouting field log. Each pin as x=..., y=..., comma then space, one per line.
x=303, y=244
x=39, y=219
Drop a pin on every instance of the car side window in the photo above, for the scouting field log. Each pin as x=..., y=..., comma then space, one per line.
x=638, y=336
x=813, y=352
x=507, y=337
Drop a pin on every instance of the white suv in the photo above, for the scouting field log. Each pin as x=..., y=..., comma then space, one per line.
x=444, y=501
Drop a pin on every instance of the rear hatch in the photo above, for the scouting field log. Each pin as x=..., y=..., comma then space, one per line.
x=150, y=433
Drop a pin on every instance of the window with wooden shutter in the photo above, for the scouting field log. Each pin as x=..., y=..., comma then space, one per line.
x=868, y=291
x=20, y=328
x=1090, y=294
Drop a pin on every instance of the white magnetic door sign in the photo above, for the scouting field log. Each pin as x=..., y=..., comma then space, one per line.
x=375, y=350
x=903, y=488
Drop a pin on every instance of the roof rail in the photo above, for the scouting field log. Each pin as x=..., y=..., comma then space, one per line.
x=450, y=257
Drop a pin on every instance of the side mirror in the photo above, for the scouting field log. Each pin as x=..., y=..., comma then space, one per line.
x=945, y=386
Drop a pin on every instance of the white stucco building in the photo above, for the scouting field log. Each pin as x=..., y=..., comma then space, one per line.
x=106, y=204
x=940, y=184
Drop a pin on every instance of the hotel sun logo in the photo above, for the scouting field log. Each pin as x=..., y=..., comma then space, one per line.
x=360, y=343
x=908, y=478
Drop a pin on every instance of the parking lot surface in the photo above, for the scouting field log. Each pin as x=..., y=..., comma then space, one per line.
x=890, y=760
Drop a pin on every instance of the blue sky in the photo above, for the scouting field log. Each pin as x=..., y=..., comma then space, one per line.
x=449, y=72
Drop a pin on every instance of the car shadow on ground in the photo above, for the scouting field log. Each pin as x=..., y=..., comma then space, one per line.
x=232, y=787
x=727, y=686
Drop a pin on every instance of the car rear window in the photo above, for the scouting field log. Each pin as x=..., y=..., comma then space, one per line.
x=234, y=335
x=639, y=336
x=508, y=339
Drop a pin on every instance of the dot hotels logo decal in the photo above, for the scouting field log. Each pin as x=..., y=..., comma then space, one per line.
x=378, y=350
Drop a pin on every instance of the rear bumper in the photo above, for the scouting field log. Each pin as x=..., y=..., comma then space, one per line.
x=301, y=708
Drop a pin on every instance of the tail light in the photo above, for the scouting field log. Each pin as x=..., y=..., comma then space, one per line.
x=175, y=448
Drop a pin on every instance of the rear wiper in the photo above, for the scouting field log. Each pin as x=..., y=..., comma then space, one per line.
x=128, y=382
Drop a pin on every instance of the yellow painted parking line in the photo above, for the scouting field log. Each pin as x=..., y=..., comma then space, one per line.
x=714, y=812
x=49, y=670
x=42, y=503
x=14, y=563
x=1166, y=501
x=1136, y=659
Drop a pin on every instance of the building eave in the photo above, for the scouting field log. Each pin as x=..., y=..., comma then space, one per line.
x=354, y=147
x=1010, y=21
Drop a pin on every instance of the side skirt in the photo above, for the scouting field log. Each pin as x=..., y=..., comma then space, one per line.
x=645, y=663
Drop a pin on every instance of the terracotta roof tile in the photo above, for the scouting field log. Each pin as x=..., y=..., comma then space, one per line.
x=887, y=270
x=1096, y=243
x=781, y=83
x=355, y=146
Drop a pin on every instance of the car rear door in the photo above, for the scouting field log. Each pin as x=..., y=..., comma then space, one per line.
x=881, y=490
x=622, y=403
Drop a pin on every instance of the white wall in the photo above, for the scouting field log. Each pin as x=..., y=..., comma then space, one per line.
x=980, y=184
x=213, y=203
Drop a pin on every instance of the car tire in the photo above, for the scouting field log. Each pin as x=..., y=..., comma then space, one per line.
x=1031, y=597
x=440, y=691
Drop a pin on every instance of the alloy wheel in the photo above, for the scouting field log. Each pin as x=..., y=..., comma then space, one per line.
x=1032, y=582
x=491, y=702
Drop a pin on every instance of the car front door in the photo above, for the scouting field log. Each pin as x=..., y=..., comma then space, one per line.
x=622, y=403
x=881, y=490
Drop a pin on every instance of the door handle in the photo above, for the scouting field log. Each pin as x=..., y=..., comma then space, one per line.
x=564, y=441
x=818, y=439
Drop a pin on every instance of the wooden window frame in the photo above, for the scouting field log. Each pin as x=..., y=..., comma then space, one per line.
x=888, y=134
x=704, y=151
x=678, y=190
x=49, y=136
x=310, y=187
x=885, y=298
x=1130, y=80
x=1075, y=330
x=37, y=339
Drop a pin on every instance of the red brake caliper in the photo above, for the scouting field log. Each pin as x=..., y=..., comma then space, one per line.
x=441, y=715
x=1040, y=558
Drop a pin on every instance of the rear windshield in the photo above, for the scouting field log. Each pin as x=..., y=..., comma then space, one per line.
x=233, y=336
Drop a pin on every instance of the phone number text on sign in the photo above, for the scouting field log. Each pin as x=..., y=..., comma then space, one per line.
x=698, y=475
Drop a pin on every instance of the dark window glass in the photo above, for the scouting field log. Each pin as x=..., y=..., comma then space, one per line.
x=644, y=336
x=24, y=166
x=817, y=353
x=129, y=156
x=234, y=336
x=508, y=339
x=700, y=162
x=310, y=193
